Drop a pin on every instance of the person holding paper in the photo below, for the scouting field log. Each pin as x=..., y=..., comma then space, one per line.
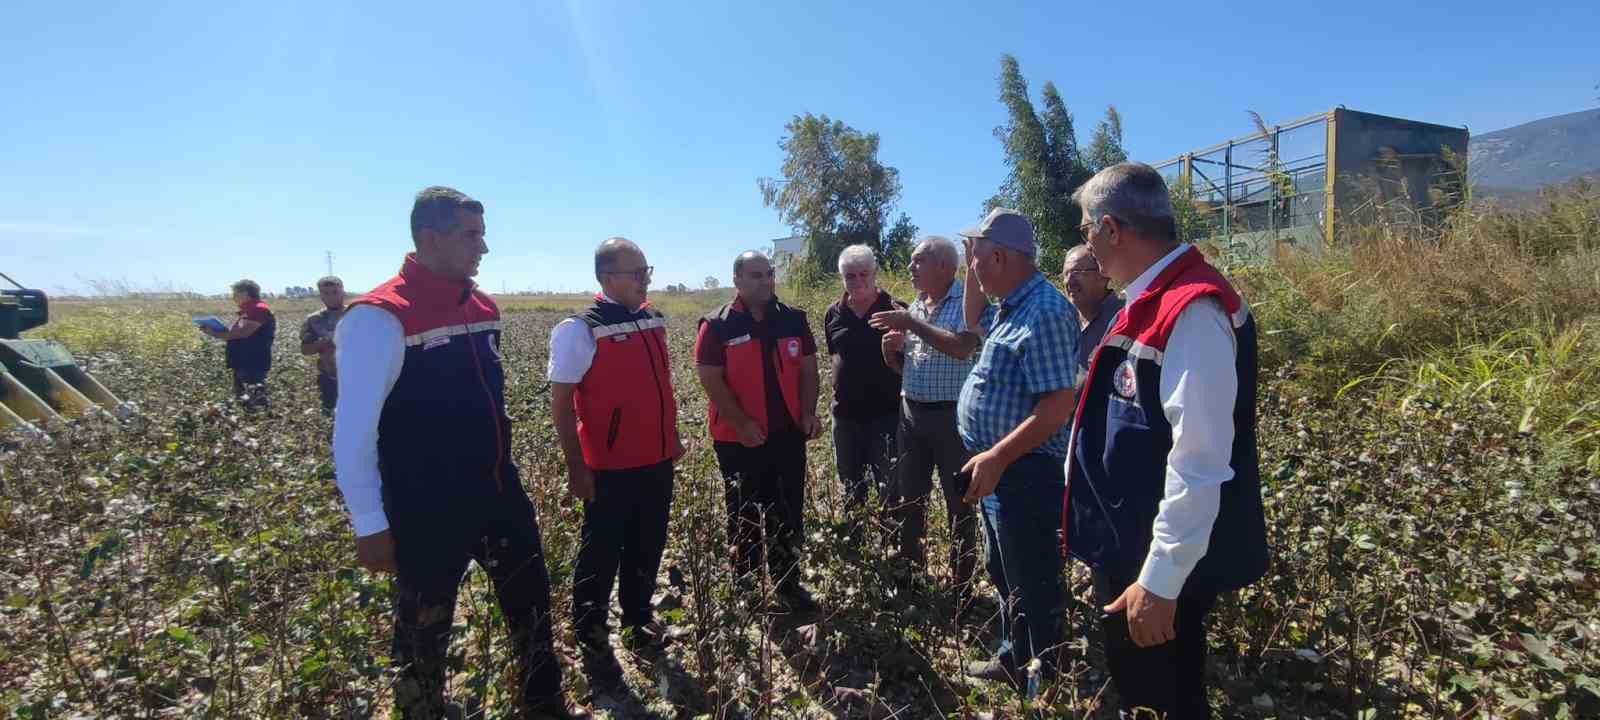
x=249, y=344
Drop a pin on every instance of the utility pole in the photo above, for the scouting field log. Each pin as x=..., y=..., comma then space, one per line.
x=329, y=254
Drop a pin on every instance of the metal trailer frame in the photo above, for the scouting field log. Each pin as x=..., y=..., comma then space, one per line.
x=1198, y=170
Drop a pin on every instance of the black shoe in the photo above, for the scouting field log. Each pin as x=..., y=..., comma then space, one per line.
x=796, y=598
x=649, y=640
x=996, y=671
x=601, y=666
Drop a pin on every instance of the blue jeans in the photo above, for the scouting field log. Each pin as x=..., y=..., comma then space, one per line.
x=1020, y=523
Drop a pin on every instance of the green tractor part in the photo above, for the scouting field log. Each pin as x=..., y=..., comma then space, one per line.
x=39, y=381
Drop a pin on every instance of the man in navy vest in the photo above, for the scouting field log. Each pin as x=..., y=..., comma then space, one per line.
x=422, y=450
x=1163, y=495
x=612, y=400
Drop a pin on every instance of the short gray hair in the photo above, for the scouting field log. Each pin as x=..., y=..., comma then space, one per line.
x=435, y=209
x=857, y=255
x=940, y=247
x=748, y=256
x=1133, y=193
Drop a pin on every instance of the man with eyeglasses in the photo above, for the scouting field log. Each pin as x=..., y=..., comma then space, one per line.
x=1163, y=498
x=1091, y=295
x=617, y=416
x=757, y=361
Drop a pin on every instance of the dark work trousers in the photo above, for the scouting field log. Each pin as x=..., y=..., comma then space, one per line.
x=927, y=441
x=860, y=446
x=1020, y=523
x=1169, y=678
x=765, y=481
x=328, y=390
x=250, y=387
x=438, y=527
x=624, y=530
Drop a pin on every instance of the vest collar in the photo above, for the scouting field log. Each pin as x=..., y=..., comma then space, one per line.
x=739, y=305
x=1150, y=274
x=603, y=299
x=431, y=285
x=1155, y=279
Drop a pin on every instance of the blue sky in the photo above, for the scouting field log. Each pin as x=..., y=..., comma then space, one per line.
x=189, y=144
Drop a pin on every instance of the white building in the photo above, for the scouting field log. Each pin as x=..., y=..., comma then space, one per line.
x=785, y=251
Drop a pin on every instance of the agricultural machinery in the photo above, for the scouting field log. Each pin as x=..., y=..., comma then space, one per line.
x=39, y=381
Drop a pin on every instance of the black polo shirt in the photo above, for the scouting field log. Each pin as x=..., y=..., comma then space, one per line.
x=864, y=387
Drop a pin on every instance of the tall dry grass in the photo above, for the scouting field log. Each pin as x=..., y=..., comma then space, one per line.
x=1494, y=304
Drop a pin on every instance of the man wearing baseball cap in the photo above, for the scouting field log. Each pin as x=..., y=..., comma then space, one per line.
x=1012, y=416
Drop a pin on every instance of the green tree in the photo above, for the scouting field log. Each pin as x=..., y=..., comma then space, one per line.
x=1105, y=148
x=834, y=192
x=1044, y=164
x=895, y=253
x=1193, y=219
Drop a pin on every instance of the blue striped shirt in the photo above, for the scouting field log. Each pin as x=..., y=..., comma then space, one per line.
x=1030, y=349
x=929, y=375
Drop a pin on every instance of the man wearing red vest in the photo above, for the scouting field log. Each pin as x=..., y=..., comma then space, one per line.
x=614, y=408
x=757, y=360
x=1163, y=496
x=422, y=450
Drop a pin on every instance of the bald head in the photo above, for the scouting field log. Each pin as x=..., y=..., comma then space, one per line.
x=612, y=253
x=754, y=278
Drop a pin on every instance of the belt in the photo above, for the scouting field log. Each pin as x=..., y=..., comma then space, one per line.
x=940, y=405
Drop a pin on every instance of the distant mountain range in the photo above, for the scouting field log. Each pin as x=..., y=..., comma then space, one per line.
x=1527, y=157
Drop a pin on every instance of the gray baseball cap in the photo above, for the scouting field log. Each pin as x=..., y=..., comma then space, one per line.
x=1007, y=228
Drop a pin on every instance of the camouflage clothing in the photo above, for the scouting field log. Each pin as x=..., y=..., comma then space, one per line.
x=320, y=325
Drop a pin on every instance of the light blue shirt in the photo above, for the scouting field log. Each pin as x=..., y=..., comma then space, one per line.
x=929, y=375
x=1030, y=349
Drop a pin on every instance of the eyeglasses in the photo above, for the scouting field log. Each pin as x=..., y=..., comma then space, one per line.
x=1092, y=224
x=1075, y=271
x=642, y=274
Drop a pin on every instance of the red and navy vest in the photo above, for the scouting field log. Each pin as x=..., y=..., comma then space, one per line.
x=254, y=353
x=627, y=411
x=444, y=425
x=1116, y=473
x=732, y=325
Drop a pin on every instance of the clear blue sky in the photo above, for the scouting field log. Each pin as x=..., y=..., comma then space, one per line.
x=190, y=144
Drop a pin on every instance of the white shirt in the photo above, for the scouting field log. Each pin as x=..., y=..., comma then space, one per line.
x=370, y=348
x=1199, y=384
x=572, y=349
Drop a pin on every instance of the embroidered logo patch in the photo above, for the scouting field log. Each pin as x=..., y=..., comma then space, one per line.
x=493, y=341
x=623, y=337
x=436, y=342
x=794, y=348
x=1124, y=380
